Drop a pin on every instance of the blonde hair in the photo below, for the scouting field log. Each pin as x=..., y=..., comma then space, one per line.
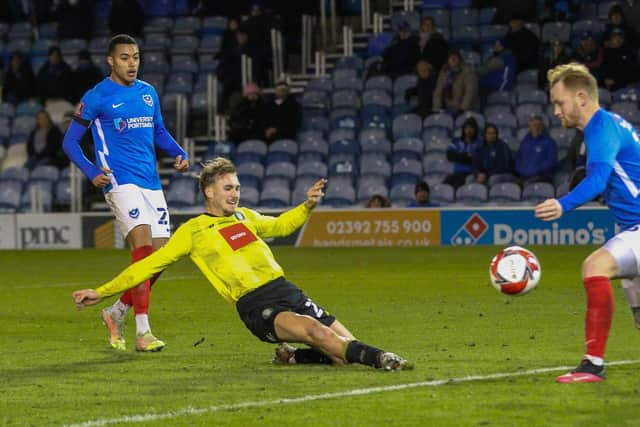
x=213, y=169
x=574, y=76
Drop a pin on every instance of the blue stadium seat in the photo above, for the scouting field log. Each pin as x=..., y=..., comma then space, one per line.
x=472, y=193
x=209, y=45
x=374, y=116
x=157, y=25
x=436, y=164
x=315, y=99
x=527, y=77
x=377, y=43
x=372, y=134
x=345, y=99
x=341, y=135
x=402, y=83
x=349, y=62
x=320, y=84
x=62, y=193
x=187, y=25
x=406, y=171
x=501, y=98
x=504, y=119
x=556, y=30
x=7, y=109
x=491, y=110
x=45, y=194
x=506, y=192
x=604, y=96
x=435, y=4
x=250, y=173
x=213, y=25
x=312, y=169
x=317, y=146
x=366, y=191
x=442, y=120
x=537, y=192
x=72, y=46
x=184, y=63
x=286, y=146
x=380, y=82
x=436, y=140
x=407, y=126
x=377, y=97
x=338, y=195
x=491, y=33
x=184, y=45
x=23, y=125
x=411, y=17
x=156, y=42
x=526, y=111
x=442, y=194
x=464, y=116
x=382, y=146
x=181, y=194
x=344, y=118
x=28, y=108
x=224, y=149
x=348, y=83
x=10, y=195
x=41, y=47
x=344, y=73
x=500, y=178
x=254, y=146
x=44, y=173
x=285, y=170
x=14, y=45
x=402, y=193
x=561, y=136
x=486, y=15
x=409, y=148
x=627, y=94
x=374, y=166
x=531, y=95
x=465, y=37
x=180, y=83
x=20, y=30
x=249, y=197
x=275, y=197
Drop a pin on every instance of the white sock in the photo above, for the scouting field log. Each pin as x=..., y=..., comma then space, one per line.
x=598, y=361
x=119, y=309
x=142, y=324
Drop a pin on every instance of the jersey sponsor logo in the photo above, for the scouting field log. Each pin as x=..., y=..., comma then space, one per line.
x=134, y=213
x=119, y=124
x=147, y=99
x=237, y=236
x=240, y=216
x=117, y=105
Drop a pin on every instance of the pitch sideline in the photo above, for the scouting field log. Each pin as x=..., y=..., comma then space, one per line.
x=324, y=396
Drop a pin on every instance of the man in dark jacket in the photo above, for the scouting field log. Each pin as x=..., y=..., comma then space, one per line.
x=282, y=115
x=538, y=154
x=85, y=76
x=523, y=43
x=54, y=77
x=19, y=81
x=245, y=120
x=433, y=47
x=402, y=54
x=619, y=66
x=423, y=89
x=492, y=157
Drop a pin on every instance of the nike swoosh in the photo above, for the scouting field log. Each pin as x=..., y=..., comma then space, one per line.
x=117, y=105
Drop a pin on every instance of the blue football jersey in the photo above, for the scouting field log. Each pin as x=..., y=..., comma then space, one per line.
x=124, y=120
x=613, y=145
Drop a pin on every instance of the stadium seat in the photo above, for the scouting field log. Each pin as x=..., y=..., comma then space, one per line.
x=604, y=96
x=345, y=99
x=213, y=25
x=254, y=146
x=537, y=192
x=402, y=193
x=28, y=108
x=179, y=82
x=380, y=83
x=402, y=83
x=313, y=169
x=464, y=116
x=506, y=192
x=181, y=194
x=504, y=119
x=470, y=194
x=367, y=190
x=531, y=95
x=494, y=109
x=501, y=98
x=44, y=173
x=442, y=120
x=186, y=45
x=38, y=189
x=374, y=116
x=382, y=146
x=407, y=126
x=339, y=195
x=186, y=25
x=562, y=136
x=627, y=94
x=7, y=110
x=62, y=193
x=224, y=149
x=411, y=17
x=562, y=189
x=249, y=197
x=406, y=171
x=442, y=194
x=377, y=97
x=10, y=195
x=318, y=146
x=436, y=140
x=409, y=147
x=500, y=178
x=556, y=30
x=320, y=84
x=349, y=62
x=285, y=170
x=344, y=73
x=275, y=197
x=23, y=125
x=374, y=166
x=70, y=47
x=156, y=42
x=251, y=169
x=490, y=33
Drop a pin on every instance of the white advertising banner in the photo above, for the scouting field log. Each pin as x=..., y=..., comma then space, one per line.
x=7, y=231
x=49, y=231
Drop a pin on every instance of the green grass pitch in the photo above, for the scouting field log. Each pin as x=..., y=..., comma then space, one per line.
x=432, y=305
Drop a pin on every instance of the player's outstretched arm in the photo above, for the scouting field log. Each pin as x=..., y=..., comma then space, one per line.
x=315, y=193
x=85, y=297
x=549, y=210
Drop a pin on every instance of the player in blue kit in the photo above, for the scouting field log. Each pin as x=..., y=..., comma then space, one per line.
x=124, y=116
x=613, y=171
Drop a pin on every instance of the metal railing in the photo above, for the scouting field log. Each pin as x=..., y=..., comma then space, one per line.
x=212, y=102
x=247, y=70
x=347, y=41
x=321, y=64
x=278, y=55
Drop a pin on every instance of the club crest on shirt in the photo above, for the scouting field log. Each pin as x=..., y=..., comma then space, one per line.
x=134, y=213
x=239, y=216
x=147, y=99
x=119, y=124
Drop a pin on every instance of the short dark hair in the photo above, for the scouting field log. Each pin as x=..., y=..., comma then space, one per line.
x=120, y=39
x=421, y=186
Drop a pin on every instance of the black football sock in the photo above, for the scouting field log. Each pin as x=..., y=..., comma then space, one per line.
x=311, y=355
x=364, y=354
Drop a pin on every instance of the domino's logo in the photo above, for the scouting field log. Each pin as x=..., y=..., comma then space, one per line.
x=120, y=124
x=471, y=231
x=134, y=213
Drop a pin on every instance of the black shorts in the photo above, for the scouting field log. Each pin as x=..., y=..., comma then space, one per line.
x=259, y=308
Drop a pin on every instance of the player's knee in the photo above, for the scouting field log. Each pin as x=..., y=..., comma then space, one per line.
x=599, y=264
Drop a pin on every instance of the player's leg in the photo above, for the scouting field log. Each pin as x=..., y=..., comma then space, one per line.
x=597, y=271
x=293, y=327
x=631, y=289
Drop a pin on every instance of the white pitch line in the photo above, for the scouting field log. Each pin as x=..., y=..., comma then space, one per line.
x=312, y=397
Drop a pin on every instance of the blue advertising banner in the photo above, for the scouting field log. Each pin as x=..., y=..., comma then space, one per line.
x=520, y=227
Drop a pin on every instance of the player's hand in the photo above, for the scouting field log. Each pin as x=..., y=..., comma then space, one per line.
x=181, y=164
x=102, y=180
x=85, y=297
x=549, y=210
x=315, y=193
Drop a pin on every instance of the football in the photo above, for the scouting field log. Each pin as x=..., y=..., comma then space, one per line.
x=515, y=271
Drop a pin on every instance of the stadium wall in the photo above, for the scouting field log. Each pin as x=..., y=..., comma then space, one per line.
x=342, y=228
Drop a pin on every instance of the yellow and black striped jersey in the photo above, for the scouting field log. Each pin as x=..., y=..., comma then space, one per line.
x=228, y=250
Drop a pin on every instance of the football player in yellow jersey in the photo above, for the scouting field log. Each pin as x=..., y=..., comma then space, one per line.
x=226, y=243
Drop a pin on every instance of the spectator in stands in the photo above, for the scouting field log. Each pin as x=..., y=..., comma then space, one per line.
x=126, y=17
x=526, y=10
x=493, y=156
x=433, y=46
x=537, y=155
x=577, y=152
x=85, y=76
x=230, y=67
x=619, y=66
x=259, y=25
x=75, y=19
x=460, y=153
x=590, y=54
x=558, y=54
x=631, y=13
x=524, y=44
x=378, y=201
x=617, y=22
x=54, y=77
x=457, y=86
x=44, y=145
x=422, y=196
x=282, y=116
x=499, y=71
x=18, y=84
x=400, y=57
x=245, y=120
x=424, y=89
x=229, y=38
